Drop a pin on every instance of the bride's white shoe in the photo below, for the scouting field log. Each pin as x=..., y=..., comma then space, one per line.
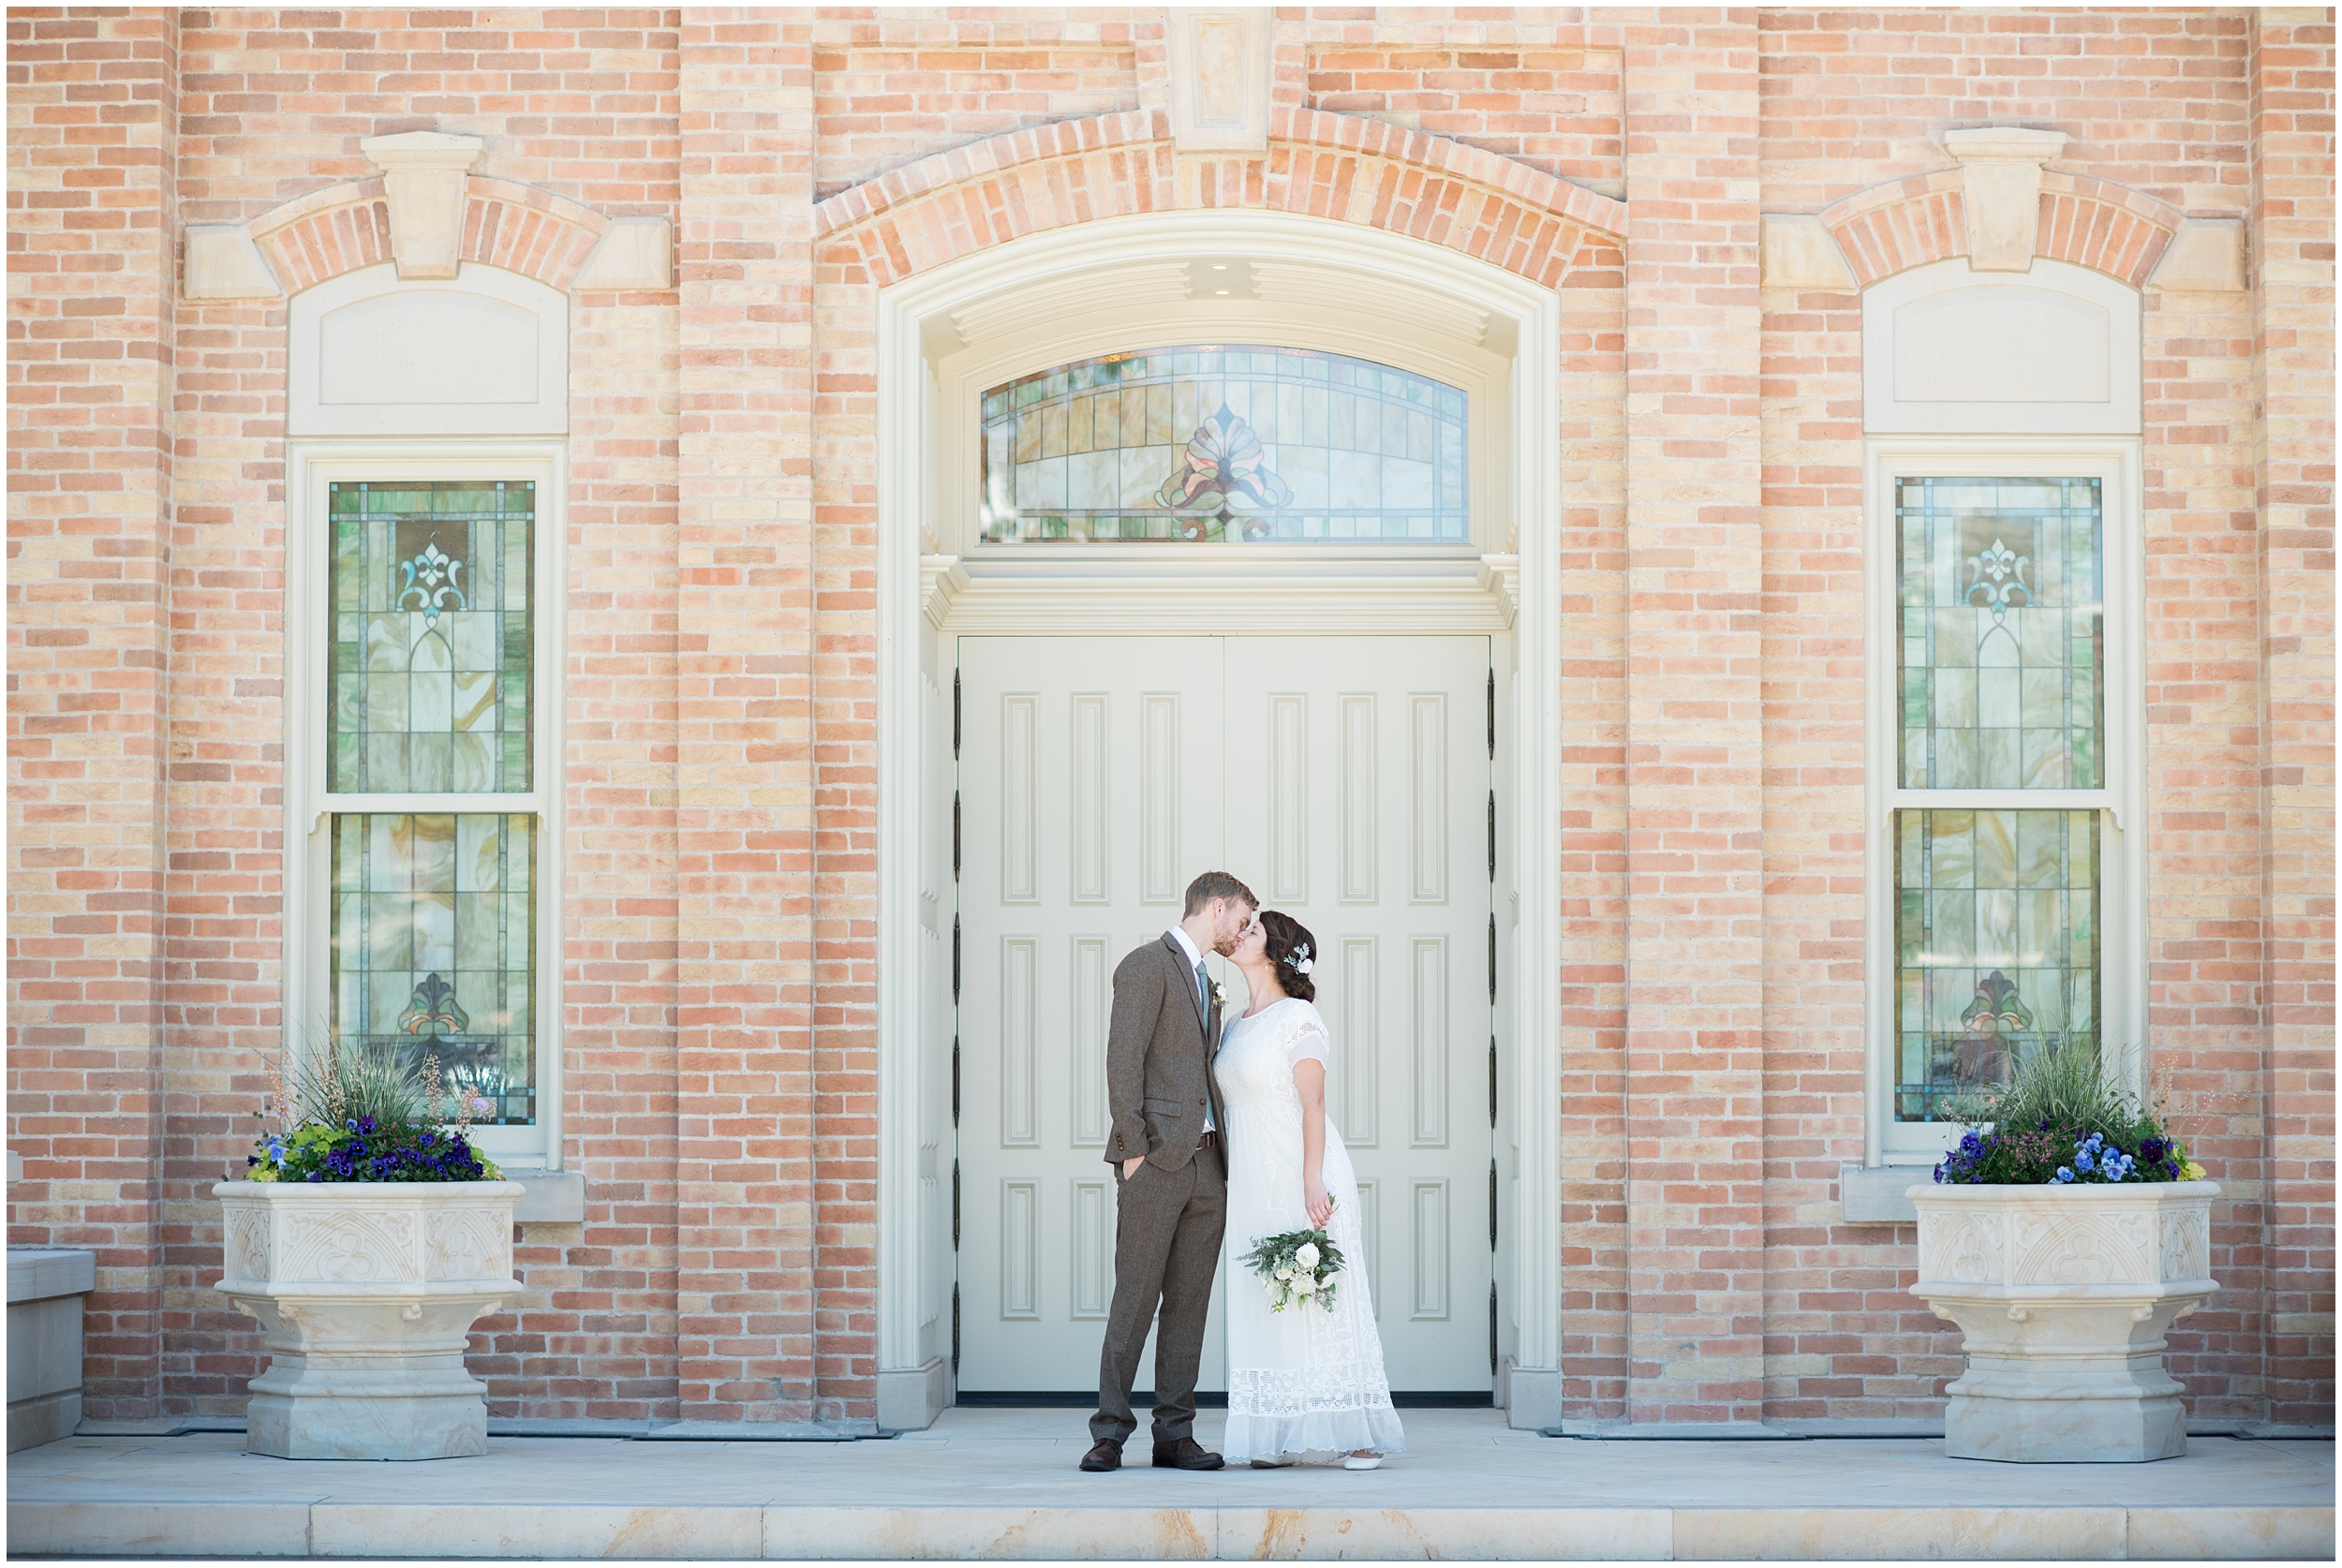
x=1362, y=1461
x=1280, y=1462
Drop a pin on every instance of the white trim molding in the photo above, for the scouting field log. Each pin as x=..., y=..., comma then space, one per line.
x=928, y=583
x=309, y=805
x=2116, y=463
x=1950, y=350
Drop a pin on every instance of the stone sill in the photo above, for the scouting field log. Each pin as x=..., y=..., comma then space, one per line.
x=548, y=1197
x=1873, y=1195
x=44, y=1273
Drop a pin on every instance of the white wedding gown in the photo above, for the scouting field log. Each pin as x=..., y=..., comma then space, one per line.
x=1304, y=1381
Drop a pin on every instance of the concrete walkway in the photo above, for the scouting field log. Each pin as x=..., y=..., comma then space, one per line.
x=1002, y=1484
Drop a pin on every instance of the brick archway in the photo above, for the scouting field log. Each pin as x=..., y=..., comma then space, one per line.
x=1318, y=164
x=342, y=228
x=2092, y=222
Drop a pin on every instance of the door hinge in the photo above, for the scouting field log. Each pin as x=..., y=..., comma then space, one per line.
x=955, y=836
x=955, y=713
x=1492, y=836
x=1491, y=1202
x=955, y=1331
x=956, y=954
x=1491, y=715
x=1491, y=1328
x=955, y=1078
x=955, y=1206
x=1491, y=961
x=1491, y=1081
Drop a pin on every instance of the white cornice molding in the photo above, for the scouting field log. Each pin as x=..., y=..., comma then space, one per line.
x=1149, y=594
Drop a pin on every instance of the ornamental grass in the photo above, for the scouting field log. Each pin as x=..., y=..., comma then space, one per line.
x=348, y=1113
x=2061, y=1121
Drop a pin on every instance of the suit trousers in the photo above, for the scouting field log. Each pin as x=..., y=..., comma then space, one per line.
x=1167, y=1247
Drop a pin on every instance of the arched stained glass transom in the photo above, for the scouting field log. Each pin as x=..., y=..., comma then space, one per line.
x=1226, y=444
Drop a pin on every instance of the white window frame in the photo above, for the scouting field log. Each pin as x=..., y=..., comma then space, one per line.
x=309, y=805
x=2116, y=462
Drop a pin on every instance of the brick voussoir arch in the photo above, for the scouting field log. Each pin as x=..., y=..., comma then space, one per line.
x=2093, y=223
x=1335, y=165
x=345, y=226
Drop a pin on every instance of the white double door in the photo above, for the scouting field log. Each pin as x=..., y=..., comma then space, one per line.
x=1346, y=779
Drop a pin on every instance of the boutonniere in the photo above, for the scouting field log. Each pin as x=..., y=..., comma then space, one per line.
x=1219, y=996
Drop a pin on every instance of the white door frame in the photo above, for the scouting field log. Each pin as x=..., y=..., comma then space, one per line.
x=912, y=1387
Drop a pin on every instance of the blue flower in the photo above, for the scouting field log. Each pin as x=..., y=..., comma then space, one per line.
x=429, y=1138
x=2065, y=1173
x=2081, y=1159
x=351, y=1124
x=317, y=1175
x=365, y=1124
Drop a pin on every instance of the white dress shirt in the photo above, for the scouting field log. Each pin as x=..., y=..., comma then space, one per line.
x=1195, y=961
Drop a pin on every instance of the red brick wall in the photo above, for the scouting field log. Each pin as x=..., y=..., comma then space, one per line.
x=92, y=221
x=2292, y=232
x=1542, y=94
x=893, y=86
x=720, y=1079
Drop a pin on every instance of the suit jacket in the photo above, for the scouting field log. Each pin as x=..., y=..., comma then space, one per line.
x=1158, y=1051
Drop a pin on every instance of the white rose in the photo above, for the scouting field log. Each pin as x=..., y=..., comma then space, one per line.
x=1304, y=1285
x=1286, y=1273
x=1308, y=1254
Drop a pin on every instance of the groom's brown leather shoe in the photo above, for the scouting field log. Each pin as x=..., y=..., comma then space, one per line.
x=1186, y=1454
x=1104, y=1455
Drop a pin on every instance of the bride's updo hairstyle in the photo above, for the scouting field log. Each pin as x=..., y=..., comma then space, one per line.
x=1290, y=944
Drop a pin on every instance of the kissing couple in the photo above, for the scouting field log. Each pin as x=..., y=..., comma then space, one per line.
x=1221, y=1139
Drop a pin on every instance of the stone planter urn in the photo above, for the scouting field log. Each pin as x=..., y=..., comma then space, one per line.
x=2064, y=1294
x=369, y=1291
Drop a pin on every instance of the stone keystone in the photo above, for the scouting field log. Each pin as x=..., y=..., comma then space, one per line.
x=2000, y=168
x=424, y=173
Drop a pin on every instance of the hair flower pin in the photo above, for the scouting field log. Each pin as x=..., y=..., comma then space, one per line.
x=1299, y=960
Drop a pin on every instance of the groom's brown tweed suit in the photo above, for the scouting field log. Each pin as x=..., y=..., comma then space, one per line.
x=1169, y=1216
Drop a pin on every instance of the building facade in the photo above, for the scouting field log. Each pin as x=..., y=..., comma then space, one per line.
x=1741, y=568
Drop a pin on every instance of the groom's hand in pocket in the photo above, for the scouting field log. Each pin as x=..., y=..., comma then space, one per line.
x=1130, y=1167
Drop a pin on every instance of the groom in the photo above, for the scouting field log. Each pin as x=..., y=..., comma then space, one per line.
x=1172, y=1170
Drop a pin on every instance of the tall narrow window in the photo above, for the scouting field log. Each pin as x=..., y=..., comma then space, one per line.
x=433, y=900
x=1998, y=929
x=2002, y=638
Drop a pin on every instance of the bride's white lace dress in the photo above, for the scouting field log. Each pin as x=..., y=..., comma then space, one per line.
x=1304, y=1381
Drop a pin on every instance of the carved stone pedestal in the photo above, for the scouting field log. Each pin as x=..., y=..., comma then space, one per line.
x=369, y=1291
x=2063, y=1294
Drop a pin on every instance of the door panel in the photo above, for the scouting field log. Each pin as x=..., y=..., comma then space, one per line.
x=1090, y=786
x=1384, y=742
x=1344, y=779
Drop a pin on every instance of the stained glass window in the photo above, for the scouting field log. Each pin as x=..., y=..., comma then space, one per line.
x=431, y=632
x=1996, y=946
x=1215, y=444
x=435, y=947
x=2003, y=631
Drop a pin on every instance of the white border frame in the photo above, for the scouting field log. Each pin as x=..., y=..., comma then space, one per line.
x=311, y=466
x=906, y=412
x=2117, y=463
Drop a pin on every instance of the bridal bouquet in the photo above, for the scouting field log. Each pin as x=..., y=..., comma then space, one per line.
x=1298, y=1265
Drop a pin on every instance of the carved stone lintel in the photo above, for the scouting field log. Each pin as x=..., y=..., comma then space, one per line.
x=2206, y=256
x=2000, y=170
x=224, y=263
x=1220, y=75
x=423, y=174
x=1796, y=251
x=633, y=254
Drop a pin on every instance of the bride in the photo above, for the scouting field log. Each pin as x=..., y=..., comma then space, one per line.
x=1306, y=1382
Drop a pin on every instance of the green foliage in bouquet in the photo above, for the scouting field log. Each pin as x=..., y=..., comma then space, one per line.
x=1296, y=1266
x=2058, y=1121
x=348, y=1113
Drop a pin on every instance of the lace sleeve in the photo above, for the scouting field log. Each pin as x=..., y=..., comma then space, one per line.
x=1306, y=1040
